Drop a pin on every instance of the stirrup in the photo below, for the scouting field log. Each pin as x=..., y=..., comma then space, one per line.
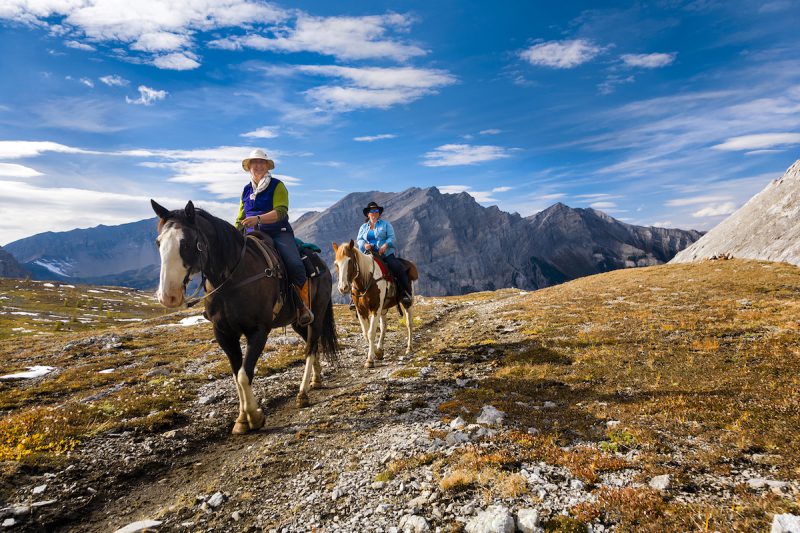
x=305, y=317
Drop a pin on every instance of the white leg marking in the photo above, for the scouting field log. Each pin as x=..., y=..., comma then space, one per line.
x=306, y=383
x=254, y=414
x=409, y=323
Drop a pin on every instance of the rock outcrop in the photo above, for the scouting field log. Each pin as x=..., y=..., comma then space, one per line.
x=766, y=227
x=9, y=267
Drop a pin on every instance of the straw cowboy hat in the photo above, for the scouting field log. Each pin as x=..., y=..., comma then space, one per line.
x=258, y=153
x=373, y=205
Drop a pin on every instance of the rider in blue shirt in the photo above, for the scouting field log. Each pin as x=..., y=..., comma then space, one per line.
x=376, y=236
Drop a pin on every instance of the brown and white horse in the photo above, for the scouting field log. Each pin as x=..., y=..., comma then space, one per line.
x=361, y=276
x=243, y=298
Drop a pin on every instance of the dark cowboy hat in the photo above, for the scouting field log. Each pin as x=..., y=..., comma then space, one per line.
x=373, y=205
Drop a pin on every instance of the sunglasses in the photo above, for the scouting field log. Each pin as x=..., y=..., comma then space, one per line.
x=374, y=210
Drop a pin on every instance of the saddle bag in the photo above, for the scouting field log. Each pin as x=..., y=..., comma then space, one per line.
x=312, y=267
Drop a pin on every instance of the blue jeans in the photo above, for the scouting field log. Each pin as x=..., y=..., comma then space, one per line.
x=287, y=247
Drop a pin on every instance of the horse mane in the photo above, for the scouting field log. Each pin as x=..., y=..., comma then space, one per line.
x=227, y=239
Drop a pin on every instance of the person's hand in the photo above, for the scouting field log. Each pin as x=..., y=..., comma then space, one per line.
x=250, y=222
x=383, y=249
x=367, y=246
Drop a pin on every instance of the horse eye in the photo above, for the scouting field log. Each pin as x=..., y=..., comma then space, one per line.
x=158, y=243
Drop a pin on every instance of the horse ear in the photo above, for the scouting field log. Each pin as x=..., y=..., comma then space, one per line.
x=335, y=246
x=352, y=243
x=189, y=210
x=161, y=211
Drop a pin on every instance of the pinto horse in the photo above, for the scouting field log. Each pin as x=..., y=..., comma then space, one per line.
x=372, y=293
x=242, y=298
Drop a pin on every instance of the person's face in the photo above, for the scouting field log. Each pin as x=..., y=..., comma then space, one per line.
x=258, y=167
x=373, y=215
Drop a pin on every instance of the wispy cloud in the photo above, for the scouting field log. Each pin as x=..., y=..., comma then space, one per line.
x=656, y=60
x=603, y=205
x=266, y=132
x=490, y=131
x=147, y=96
x=346, y=38
x=502, y=189
x=612, y=81
x=463, y=154
x=80, y=46
x=112, y=80
x=694, y=200
x=759, y=141
x=177, y=61
x=372, y=138
x=12, y=170
x=715, y=210
x=562, y=54
x=87, y=82
x=374, y=87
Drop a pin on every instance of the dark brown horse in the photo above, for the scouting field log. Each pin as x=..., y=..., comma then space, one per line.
x=244, y=296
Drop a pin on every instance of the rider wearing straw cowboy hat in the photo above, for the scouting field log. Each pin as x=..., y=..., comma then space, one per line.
x=265, y=206
x=376, y=236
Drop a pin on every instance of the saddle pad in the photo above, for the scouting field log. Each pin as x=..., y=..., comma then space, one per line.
x=384, y=269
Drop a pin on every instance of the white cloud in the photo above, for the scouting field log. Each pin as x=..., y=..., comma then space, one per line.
x=463, y=154
x=491, y=131
x=177, y=61
x=87, y=82
x=657, y=60
x=715, y=210
x=603, y=205
x=19, y=149
x=11, y=170
x=562, y=54
x=147, y=26
x=502, y=189
x=374, y=87
x=266, y=132
x=160, y=41
x=342, y=37
x=147, y=96
x=372, y=138
x=759, y=141
x=113, y=80
x=661, y=224
x=80, y=46
x=552, y=196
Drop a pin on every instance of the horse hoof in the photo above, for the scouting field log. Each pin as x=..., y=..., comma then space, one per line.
x=379, y=354
x=316, y=384
x=258, y=421
x=302, y=401
x=369, y=364
x=240, y=428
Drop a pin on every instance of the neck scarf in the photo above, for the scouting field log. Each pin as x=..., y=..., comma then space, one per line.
x=261, y=185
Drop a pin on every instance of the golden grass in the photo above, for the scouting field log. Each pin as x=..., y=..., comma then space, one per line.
x=700, y=359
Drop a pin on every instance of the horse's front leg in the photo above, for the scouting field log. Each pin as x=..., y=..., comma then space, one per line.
x=382, y=327
x=373, y=322
x=255, y=345
x=230, y=345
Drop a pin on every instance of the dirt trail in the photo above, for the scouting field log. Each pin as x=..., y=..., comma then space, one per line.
x=260, y=474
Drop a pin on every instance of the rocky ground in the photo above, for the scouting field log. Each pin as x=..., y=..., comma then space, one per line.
x=374, y=452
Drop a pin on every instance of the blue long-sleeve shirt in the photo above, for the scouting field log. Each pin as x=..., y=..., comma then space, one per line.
x=384, y=234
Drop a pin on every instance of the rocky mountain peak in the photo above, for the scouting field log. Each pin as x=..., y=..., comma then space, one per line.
x=763, y=228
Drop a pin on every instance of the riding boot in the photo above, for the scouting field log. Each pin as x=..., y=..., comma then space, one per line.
x=304, y=314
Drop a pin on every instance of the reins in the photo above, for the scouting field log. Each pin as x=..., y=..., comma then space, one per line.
x=218, y=287
x=354, y=289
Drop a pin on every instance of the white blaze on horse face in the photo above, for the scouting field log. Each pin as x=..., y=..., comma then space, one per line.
x=173, y=271
x=343, y=284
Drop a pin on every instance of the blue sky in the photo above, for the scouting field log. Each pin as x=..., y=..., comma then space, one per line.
x=668, y=113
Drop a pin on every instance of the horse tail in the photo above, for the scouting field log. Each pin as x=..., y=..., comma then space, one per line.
x=327, y=340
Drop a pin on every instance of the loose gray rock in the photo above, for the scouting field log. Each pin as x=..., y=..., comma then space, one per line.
x=141, y=525
x=760, y=483
x=490, y=416
x=661, y=482
x=413, y=524
x=216, y=499
x=495, y=519
x=456, y=437
x=785, y=523
x=528, y=520
x=9, y=522
x=40, y=489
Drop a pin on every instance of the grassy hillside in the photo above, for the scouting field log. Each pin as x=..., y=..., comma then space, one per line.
x=688, y=370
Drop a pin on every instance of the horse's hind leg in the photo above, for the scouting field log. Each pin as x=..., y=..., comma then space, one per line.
x=305, y=384
x=316, y=373
x=409, y=323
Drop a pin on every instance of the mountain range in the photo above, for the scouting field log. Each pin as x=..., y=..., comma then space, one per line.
x=458, y=245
